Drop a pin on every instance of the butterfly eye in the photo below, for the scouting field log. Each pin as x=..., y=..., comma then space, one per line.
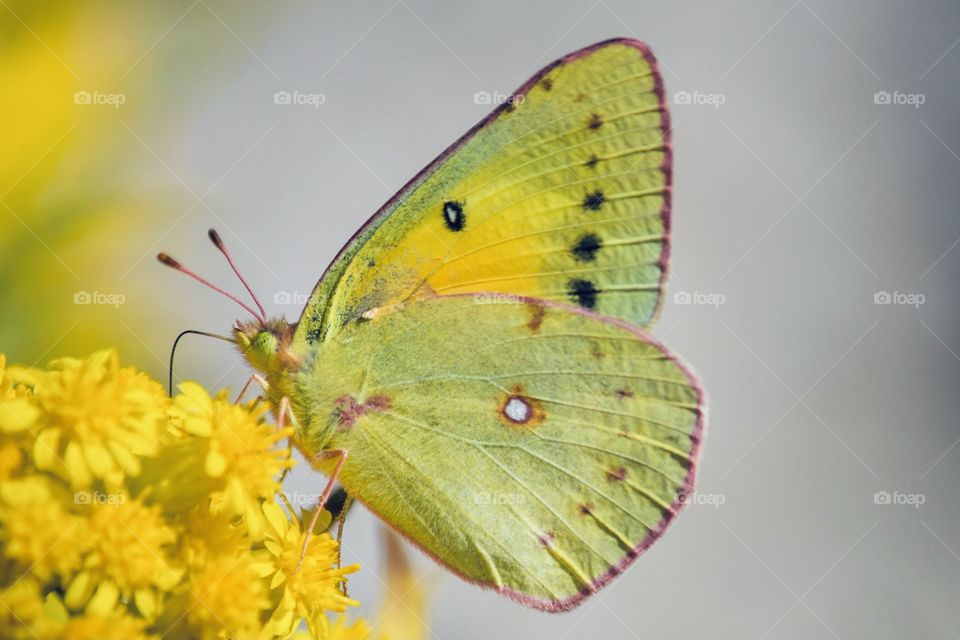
x=265, y=342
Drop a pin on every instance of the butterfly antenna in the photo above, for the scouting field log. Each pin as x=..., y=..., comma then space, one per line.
x=173, y=352
x=176, y=266
x=218, y=243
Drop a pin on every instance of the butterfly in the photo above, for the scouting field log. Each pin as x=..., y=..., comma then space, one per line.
x=473, y=365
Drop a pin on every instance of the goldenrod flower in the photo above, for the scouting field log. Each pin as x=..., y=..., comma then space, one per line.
x=227, y=593
x=126, y=515
x=241, y=450
x=311, y=584
x=116, y=625
x=96, y=420
x=140, y=572
x=340, y=630
x=22, y=609
x=39, y=531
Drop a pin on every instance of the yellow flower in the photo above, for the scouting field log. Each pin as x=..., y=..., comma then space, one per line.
x=242, y=450
x=129, y=556
x=176, y=534
x=312, y=586
x=359, y=630
x=37, y=530
x=17, y=411
x=206, y=535
x=340, y=630
x=21, y=609
x=11, y=458
x=114, y=624
x=225, y=594
x=96, y=419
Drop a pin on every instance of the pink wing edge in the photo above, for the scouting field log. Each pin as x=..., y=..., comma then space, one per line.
x=686, y=489
x=666, y=167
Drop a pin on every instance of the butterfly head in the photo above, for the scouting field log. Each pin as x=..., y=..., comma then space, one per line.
x=266, y=344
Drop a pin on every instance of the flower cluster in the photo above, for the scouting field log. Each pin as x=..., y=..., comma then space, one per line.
x=127, y=514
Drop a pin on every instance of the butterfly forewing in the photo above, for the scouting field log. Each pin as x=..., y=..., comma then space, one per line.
x=562, y=193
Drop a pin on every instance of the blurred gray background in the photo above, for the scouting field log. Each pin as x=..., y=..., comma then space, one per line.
x=811, y=187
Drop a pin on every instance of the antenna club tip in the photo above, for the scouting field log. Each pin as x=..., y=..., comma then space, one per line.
x=215, y=238
x=164, y=259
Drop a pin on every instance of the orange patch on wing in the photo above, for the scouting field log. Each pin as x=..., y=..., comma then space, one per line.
x=537, y=312
x=620, y=473
x=349, y=410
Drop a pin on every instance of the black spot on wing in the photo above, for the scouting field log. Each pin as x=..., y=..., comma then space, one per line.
x=583, y=292
x=592, y=162
x=595, y=121
x=453, y=215
x=585, y=249
x=593, y=201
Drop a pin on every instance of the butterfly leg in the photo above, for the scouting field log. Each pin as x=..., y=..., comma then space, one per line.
x=286, y=413
x=341, y=455
x=246, y=385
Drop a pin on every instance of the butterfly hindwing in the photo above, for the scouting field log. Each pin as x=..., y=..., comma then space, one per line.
x=562, y=193
x=531, y=447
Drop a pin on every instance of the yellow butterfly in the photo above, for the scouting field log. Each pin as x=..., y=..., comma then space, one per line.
x=471, y=366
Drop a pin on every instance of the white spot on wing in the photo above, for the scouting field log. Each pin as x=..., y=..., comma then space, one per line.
x=517, y=410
